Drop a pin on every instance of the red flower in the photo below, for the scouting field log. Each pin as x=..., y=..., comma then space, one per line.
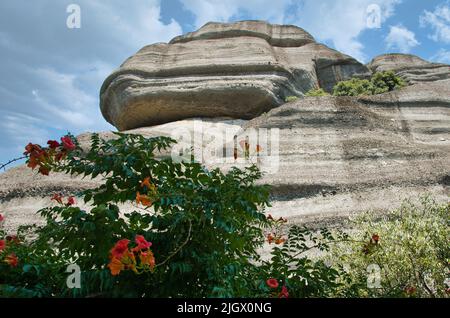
x=1, y=218
x=120, y=248
x=375, y=238
x=12, y=260
x=67, y=143
x=53, y=144
x=142, y=243
x=70, y=201
x=272, y=283
x=57, y=198
x=284, y=292
x=2, y=245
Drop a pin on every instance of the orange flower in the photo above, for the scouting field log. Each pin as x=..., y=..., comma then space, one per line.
x=115, y=266
x=44, y=171
x=12, y=260
x=280, y=241
x=147, y=258
x=258, y=148
x=143, y=199
x=32, y=163
x=146, y=183
x=270, y=238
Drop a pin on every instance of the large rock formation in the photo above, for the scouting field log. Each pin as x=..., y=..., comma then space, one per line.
x=336, y=156
x=412, y=68
x=239, y=70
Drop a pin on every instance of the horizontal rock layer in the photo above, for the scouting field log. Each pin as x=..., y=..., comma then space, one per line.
x=239, y=70
x=337, y=155
x=412, y=68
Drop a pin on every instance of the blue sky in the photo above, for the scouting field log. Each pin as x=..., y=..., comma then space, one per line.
x=51, y=75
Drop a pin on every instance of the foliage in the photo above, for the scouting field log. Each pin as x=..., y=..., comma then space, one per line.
x=316, y=92
x=291, y=99
x=411, y=247
x=380, y=82
x=296, y=267
x=198, y=221
x=353, y=87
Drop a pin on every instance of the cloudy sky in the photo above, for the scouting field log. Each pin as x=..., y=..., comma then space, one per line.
x=51, y=74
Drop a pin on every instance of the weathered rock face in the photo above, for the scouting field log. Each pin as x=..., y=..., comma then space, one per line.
x=336, y=156
x=238, y=70
x=342, y=155
x=411, y=68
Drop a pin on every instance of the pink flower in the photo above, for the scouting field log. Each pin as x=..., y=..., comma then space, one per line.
x=284, y=292
x=67, y=143
x=1, y=218
x=142, y=243
x=120, y=248
x=272, y=283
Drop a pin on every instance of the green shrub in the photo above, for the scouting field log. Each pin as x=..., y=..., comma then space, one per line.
x=353, y=87
x=381, y=82
x=200, y=223
x=409, y=245
x=317, y=92
x=386, y=81
x=205, y=228
x=290, y=99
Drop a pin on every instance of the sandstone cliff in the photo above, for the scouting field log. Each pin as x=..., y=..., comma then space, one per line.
x=336, y=156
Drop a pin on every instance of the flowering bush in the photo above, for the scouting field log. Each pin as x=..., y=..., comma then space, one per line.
x=406, y=253
x=199, y=223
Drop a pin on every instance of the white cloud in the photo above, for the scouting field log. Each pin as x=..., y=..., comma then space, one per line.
x=51, y=75
x=442, y=56
x=401, y=38
x=223, y=11
x=439, y=21
x=342, y=21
